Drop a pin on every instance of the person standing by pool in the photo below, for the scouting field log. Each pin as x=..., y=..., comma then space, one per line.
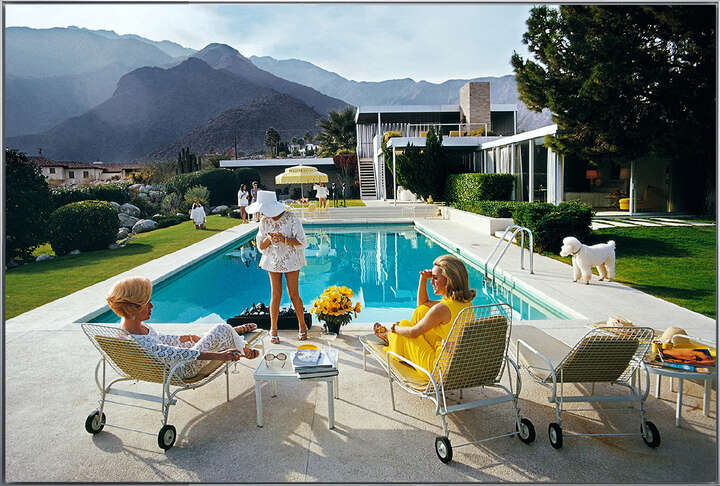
x=130, y=297
x=281, y=240
x=243, y=197
x=321, y=192
x=421, y=339
x=253, y=195
x=197, y=214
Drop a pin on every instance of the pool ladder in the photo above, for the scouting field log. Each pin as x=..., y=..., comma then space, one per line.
x=515, y=228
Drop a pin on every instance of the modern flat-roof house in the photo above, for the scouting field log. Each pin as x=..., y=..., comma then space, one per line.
x=648, y=185
x=465, y=127
x=72, y=173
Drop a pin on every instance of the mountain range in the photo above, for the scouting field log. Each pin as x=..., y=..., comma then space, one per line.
x=87, y=95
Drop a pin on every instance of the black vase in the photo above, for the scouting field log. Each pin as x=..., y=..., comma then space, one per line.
x=332, y=326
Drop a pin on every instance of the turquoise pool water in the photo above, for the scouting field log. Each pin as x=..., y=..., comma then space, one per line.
x=379, y=262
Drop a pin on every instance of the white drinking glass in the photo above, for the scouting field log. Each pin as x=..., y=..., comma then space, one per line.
x=328, y=337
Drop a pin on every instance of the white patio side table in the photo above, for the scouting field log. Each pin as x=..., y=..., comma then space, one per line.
x=682, y=375
x=274, y=372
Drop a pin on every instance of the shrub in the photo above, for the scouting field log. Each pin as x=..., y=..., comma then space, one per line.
x=468, y=188
x=171, y=203
x=85, y=225
x=223, y=184
x=28, y=206
x=492, y=209
x=197, y=193
x=550, y=224
x=230, y=212
x=103, y=192
x=146, y=206
x=172, y=220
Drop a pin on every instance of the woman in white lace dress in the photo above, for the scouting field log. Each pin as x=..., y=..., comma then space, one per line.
x=129, y=298
x=281, y=240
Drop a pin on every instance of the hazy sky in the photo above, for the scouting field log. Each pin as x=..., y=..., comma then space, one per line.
x=364, y=42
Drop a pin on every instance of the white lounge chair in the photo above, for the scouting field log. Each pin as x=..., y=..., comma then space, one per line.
x=474, y=355
x=604, y=355
x=131, y=362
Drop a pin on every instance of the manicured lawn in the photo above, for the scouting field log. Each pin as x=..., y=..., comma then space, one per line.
x=35, y=284
x=677, y=264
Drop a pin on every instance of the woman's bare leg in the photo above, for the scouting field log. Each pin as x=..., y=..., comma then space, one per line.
x=291, y=280
x=275, y=296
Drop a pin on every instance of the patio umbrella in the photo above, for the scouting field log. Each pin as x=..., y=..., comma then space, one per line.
x=301, y=174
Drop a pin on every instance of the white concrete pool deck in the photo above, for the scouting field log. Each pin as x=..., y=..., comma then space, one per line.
x=49, y=390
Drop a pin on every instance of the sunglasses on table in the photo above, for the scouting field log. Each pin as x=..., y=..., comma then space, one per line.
x=278, y=356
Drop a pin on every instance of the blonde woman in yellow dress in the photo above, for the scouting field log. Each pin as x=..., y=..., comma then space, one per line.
x=420, y=339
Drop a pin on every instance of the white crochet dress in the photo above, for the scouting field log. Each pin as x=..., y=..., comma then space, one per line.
x=282, y=257
x=169, y=349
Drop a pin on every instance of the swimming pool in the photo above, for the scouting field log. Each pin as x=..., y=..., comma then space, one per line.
x=379, y=262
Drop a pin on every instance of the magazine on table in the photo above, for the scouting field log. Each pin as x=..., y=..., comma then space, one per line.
x=317, y=374
x=312, y=360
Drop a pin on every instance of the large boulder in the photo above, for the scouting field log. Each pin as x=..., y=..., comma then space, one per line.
x=115, y=205
x=135, y=187
x=126, y=220
x=219, y=209
x=43, y=257
x=123, y=232
x=144, y=225
x=129, y=209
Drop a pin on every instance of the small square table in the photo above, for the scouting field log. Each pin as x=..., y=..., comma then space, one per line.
x=681, y=375
x=274, y=372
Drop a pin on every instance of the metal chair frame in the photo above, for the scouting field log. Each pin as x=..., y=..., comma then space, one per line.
x=155, y=372
x=583, y=354
x=445, y=377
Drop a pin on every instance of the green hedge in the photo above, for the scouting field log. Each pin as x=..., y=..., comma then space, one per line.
x=165, y=221
x=84, y=225
x=468, y=188
x=103, y=192
x=223, y=184
x=550, y=224
x=492, y=209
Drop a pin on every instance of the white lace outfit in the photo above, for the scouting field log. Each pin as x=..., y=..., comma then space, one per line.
x=243, y=198
x=281, y=257
x=320, y=191
x=169, y=349
x=197, y=214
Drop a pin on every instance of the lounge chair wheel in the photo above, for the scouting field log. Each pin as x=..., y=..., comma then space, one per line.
x=526, y=432
x=166, y=437
x=95, y=422
x=443, y=449
x=555, y=435
x=652, y=439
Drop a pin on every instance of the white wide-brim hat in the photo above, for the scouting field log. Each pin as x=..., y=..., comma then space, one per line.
x=266, y=204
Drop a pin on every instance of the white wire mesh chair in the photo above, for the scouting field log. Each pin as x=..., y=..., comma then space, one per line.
x=130, y=361
x=474, y=355
x=612, y=355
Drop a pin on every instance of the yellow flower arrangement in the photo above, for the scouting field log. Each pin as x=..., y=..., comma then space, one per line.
x=335, y=307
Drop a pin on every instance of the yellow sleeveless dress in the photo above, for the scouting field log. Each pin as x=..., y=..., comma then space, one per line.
x=424, y=350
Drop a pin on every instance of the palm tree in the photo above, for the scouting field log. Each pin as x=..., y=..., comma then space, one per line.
x=337, y=132
x=272, y=139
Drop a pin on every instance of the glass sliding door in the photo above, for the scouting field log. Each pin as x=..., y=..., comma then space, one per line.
x=539, y=170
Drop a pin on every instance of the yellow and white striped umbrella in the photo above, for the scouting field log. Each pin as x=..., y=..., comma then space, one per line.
x=301, y=174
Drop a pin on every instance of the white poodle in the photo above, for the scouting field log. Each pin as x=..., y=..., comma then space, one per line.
x=584, y=257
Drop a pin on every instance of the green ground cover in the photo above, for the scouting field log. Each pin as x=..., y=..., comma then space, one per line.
x=35, y=284
x=677, y=264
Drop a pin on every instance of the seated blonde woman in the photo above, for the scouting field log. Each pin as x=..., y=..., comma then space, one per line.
x=420, y=339
x=129, y=298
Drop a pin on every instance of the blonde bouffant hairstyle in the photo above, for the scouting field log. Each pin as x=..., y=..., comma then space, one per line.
x=458, y=282
x=129, y=295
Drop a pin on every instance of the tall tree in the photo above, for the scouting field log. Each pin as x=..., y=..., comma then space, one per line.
x=624, y=81
x=423, y=171
x=272, y=139
x=337, y=132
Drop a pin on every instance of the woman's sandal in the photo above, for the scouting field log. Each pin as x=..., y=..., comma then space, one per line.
x=275, y=339
x=381, y=332
x=302, y=336
x=249, y=327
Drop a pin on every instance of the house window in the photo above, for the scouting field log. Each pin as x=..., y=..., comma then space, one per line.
x=86, y=174
x=52, y=170
x=71, y=174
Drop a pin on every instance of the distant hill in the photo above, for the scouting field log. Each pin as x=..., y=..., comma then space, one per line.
x=150, y=108
x=221, y=56
x=54, y=74
x=289, y=116
x=405, y=91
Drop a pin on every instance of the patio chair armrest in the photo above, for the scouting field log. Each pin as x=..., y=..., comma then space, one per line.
x=517, y=374
x=173, y=370
x=415, y=366
x=644, y=367
x=541, y=356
